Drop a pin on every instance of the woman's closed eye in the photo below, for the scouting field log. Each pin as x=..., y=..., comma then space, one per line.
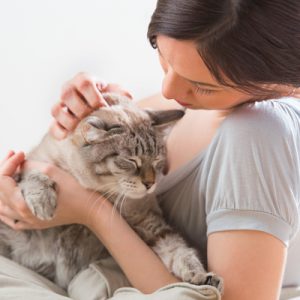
x=202, y=91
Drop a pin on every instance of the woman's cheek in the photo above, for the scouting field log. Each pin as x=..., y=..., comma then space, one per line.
x=163, y=64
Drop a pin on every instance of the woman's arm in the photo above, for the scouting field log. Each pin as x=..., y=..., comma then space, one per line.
x=250, y=262
x=141, y=265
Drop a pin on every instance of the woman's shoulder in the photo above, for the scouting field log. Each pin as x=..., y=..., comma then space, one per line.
x=269, y=118
x=251, y=166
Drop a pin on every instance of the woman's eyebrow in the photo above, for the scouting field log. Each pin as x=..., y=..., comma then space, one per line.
x=192, y=81
x=202, y=83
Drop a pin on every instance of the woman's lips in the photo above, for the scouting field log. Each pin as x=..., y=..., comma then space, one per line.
x=183, y=104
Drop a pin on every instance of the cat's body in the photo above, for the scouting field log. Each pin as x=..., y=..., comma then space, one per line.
x=119, y=152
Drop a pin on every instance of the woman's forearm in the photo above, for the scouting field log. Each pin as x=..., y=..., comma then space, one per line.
x=140, y=264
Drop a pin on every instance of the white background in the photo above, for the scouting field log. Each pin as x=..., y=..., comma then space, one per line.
x=43, y=43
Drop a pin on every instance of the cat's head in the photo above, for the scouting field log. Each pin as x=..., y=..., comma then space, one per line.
x=125, y=146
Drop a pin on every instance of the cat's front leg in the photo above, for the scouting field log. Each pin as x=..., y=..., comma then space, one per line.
x=183, y=261
x=39, y=193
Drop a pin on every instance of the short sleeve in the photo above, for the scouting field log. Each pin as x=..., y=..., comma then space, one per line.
x=252, y=171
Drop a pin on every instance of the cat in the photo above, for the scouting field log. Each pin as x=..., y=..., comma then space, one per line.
x=120, y=152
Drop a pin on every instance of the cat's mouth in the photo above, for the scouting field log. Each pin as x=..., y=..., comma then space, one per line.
x=134, y=195
x=136, y=192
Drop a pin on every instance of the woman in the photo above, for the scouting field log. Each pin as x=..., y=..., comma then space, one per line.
x=233, y=183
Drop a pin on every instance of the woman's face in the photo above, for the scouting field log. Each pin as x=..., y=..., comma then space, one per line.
x=188, y=81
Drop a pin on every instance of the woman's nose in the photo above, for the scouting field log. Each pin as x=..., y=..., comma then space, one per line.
x=174, y=87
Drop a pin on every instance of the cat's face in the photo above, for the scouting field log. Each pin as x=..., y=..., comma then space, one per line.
x=124, y=147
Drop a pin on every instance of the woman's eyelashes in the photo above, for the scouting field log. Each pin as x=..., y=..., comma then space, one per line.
x=202, y=91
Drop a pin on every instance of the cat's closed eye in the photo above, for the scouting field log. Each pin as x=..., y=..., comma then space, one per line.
x=159, y=164
x=115, y=129
x=126, y=164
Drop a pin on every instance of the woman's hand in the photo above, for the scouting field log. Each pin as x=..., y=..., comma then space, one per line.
x=75, y=204
x=79, y=97
x=78, y=205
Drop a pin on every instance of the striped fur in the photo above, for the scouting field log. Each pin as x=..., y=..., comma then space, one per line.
x=119, y=152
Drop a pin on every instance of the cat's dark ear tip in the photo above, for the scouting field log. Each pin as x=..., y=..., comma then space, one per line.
x=161, y=117
x=182, y=112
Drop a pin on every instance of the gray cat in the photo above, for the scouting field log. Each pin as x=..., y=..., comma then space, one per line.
x=119, y=152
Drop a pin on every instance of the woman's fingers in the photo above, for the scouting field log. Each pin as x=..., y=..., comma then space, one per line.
x=8, y=221
x=64, y=117
x=8, y=155
x=80, y=96
x=90, y=91
x=6, y=211
x=16, y=224
x=13, y=209
x=9, y=166
x=75, y=103
x=57, y=131
x=115, y=88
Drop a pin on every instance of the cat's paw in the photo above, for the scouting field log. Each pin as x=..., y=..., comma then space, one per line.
x=211, y=279
x=200, y=278
x=192, y=271
x=40, y=195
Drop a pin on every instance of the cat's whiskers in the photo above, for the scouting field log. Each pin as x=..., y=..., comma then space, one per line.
x=120, y=199
x=93, y=205
x=115, y=208
x=109, y=194
x=106, y=195
x=122, y=202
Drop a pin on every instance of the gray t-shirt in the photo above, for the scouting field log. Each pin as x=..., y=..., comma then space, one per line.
x=247, y=178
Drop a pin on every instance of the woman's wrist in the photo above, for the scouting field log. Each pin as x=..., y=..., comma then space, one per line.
x=98, y=211
x=136, y=259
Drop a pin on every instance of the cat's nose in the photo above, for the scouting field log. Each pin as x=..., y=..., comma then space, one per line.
x=148, y=184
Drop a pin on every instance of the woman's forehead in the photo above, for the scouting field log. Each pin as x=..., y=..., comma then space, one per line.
x=185, y=60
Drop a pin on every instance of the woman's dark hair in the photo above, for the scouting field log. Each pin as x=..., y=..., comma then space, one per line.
x=245, y=44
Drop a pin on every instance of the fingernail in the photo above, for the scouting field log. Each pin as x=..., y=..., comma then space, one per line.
x=101, y=86
x=60, y=135
x=10, y=152
x=127, y=94
x=104, y=103
x=19, y=153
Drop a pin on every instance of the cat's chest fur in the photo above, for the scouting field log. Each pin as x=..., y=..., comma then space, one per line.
x=119, y=152
x=42, y=251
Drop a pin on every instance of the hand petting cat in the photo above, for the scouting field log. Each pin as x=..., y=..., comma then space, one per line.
x=118, y=152
x=14, y=211
x=79, y=97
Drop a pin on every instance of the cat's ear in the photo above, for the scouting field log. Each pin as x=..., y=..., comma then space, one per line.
x=164, y=120
x=93, y=130
x=115, y=99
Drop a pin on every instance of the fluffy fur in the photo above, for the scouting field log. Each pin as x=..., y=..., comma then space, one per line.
x=119, y=152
